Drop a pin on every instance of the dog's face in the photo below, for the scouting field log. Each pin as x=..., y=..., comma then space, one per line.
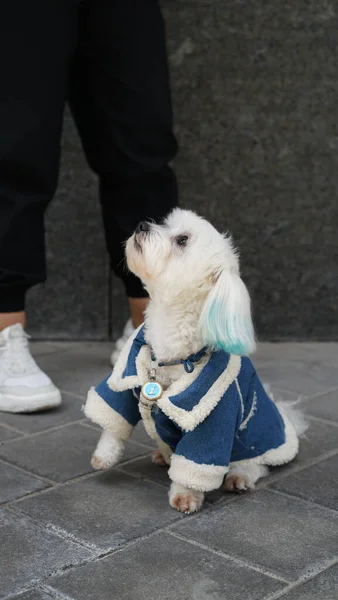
x=185, y=251
x=188, y=258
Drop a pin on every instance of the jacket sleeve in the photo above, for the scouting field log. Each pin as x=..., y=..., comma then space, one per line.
x=114, y=411
x=202, y=456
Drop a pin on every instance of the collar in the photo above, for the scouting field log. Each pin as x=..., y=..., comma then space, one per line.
x=188, y=363
x=189, y=399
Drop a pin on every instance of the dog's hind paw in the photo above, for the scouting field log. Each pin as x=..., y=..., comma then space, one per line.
x=237, y=482
x=158, y=459
x=242, y=479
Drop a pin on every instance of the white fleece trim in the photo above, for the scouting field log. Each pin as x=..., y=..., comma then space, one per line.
x=149, y=426
x=240, y=397
x=98, y=411
x=250, y=414
x=143, y=361
x=202, y=478
x=277, y=456
x=188, y=420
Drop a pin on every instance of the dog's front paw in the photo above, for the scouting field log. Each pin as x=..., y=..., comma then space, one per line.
x=185, y=500
x=100, y=464
x=108, y=452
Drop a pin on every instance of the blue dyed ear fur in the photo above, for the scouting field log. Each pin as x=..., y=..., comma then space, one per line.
x=226, y=322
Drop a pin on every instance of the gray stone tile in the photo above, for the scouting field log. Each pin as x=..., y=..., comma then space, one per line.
x=145, y=469
x=162, y=568
x=318, y=439
x=30, y=553
x=132, y=450
x=92, y=425
x=318, y=483
x=283, y=395
x=15, y=484
x=320, y=352
x=37, y=347
x=303, y=377
x=324, y=586
x=36, y=594
x=59, y=455
x=106, y=510
x=70, y=410
x=7, y=434
x=140, y=435
x=325, y=406
x=74, y=301
x=101, y=348
x=269, y=530
x=78, y=369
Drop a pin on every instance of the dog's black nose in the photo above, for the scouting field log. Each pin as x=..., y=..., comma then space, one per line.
x=143, y=227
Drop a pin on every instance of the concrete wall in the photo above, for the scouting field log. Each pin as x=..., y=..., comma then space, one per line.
x=256, y=93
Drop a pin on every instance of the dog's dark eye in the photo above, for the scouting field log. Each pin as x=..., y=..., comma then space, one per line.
x=182, y=240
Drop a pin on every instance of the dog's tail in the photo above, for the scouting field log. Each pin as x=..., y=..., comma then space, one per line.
x=291, y=410
x=295, y=415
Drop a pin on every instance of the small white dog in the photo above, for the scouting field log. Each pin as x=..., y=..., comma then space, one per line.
x=185, y=372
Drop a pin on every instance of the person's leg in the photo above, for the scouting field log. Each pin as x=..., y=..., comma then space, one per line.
x=137, y=307
x=11, y=318
x=120, y=96
x=36, y=40
x=35, y=45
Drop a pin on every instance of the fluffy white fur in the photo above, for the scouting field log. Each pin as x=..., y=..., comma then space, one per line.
x=151, y=431
x=243, y=478
x=197, y=298
x=197, y=294
x=108, y=451
x=98, y=411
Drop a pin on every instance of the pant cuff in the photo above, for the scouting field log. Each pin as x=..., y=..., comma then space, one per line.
x=12, y=298
x=133, y=286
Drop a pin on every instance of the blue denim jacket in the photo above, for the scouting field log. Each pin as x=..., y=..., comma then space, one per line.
x=206, y=421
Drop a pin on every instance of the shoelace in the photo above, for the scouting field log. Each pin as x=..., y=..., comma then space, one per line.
x=17, y=356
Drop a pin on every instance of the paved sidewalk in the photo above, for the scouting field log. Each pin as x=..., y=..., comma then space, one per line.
x=68, y=533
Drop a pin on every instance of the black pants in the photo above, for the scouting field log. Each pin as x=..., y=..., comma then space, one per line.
x=108, y=59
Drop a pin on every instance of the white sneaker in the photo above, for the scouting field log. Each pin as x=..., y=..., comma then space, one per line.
x=23, y=386
x=127, y=332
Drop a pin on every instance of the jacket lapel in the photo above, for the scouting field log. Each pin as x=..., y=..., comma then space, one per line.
x=190, y=399
x=132, y=367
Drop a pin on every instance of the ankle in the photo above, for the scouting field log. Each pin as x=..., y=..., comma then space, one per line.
x=137, y=307
x=12, y=318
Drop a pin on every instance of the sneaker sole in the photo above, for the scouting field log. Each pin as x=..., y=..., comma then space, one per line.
x=29, y=404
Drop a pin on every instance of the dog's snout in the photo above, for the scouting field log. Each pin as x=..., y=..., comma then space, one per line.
x=143, y=227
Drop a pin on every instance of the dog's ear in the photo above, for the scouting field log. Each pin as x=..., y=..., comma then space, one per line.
x=226, y=322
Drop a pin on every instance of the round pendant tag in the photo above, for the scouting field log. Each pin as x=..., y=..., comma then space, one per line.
x=152, y=390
